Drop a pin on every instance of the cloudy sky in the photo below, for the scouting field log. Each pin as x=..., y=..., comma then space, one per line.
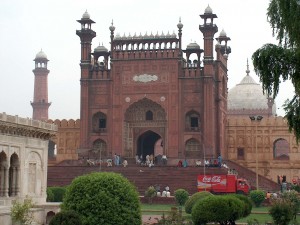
x=31, y=25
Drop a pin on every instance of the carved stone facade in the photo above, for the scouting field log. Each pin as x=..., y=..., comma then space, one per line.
x=145, y=96
x=23, y=158
x=277, y=152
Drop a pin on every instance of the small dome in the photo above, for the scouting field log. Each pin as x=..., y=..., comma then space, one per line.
x=223, y=34
x=208, y=10
x=41, y=55
x=86, y=16
x=100, y=48
x=193, y=45
x=173, y=35
x=112, y=27
x=180, y=25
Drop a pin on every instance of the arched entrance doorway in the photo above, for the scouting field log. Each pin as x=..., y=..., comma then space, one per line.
x=144, y=124
x=146, y=143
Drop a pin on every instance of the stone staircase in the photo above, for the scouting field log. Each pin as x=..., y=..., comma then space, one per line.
x=264, y=183
x=141, y=177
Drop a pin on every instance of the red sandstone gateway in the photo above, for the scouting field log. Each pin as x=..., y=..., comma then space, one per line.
x=222, y=184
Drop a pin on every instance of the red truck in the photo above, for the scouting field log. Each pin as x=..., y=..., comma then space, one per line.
x=223, y=184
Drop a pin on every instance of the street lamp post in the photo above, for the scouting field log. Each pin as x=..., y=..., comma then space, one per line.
x=256, y=119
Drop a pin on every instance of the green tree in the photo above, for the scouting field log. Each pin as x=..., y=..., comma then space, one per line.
x=103, y=198
x=66, y=218
x=181, y=196
x=194, y=198
x=274, y=63
x=150, y=193
x=50, y=195
x=257, y=197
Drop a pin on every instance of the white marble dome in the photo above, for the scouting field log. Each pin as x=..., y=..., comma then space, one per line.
x=41, y=55
x=248, y=95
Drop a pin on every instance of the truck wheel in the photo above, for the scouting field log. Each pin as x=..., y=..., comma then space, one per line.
x=240, y=192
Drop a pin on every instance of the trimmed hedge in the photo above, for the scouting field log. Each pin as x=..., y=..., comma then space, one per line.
x=58, y=193
x=194, y=198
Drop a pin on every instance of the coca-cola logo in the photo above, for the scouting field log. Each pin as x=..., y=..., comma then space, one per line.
x=211, y=179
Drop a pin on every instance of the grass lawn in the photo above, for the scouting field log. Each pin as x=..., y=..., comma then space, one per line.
x=259, y=215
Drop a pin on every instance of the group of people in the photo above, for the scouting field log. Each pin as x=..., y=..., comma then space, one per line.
x=150, y=160
x=165, y=193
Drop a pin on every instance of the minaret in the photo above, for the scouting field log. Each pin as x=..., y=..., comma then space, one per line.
x=209, y=85
x=40, y=104
x=86, y=35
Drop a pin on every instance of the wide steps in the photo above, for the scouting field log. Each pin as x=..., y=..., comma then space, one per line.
x=141, y=177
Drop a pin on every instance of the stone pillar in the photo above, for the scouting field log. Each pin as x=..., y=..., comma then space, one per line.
x=2, y=181
x=6, y=176
x=13, y=183
x=17, y=191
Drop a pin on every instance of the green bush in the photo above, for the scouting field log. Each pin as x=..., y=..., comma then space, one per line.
x=20, y=212
x=294, y=199
x=281, y=211
x=103, y=198
x=58, y=193
x=220, y=209
x=257, y=197
x=210, y=209
x=66, y=218
x=181, y=196
x=247, y=204
x=194, y=198
x=50, y=195
x=150, y=193
x=236, y=208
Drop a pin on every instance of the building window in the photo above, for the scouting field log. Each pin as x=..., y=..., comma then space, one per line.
x=99, y=122
x=149, y=115
x=102, y=123
x=194, y=121
x=281, y=149
x=240, y=153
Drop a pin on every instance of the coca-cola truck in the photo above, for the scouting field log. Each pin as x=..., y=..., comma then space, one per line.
x=223, y=184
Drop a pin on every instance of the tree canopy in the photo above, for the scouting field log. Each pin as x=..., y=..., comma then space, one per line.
x=277, y=63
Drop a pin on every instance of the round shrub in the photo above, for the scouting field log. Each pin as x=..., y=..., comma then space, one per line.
x=235, y=207
x=247, y=204
x=103, y=198
x=66, y=218
x=181, y=196
x=281, y=211
x=222, y=209
x=257, y=197
x=194, y=198
x=210, y=209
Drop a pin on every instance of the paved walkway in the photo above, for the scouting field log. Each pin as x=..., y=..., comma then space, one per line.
x=150, y=219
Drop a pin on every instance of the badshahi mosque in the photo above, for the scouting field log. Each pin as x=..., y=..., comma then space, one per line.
x=148, y=95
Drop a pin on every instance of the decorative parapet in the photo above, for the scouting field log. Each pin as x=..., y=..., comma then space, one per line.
x=26, y=127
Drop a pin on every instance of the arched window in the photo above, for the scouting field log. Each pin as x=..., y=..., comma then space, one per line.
x=99, y=150
x=281, y=149
x=149, y=115
x=192, y=145
x=99, y=122
x=192, y=121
